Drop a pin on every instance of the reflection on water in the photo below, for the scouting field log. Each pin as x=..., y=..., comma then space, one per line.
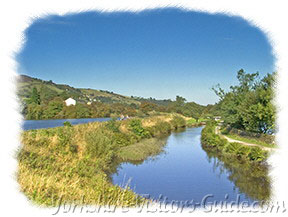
x=118, y=163
x=251, y=178
x=185, y=171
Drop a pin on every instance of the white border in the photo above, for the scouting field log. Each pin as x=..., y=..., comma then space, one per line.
x=271, y=16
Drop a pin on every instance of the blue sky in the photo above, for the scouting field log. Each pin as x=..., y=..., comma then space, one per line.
x=154, y=53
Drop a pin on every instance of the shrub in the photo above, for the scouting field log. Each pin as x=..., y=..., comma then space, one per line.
x=67, y=124
x=123, y=139
x=178, y=122
x=209, y=138
x=257, y=154
x=192, y=122
x=73, y=148
x=232, y=148
x=243, y=151
x=160, y=128
x=136, y=127
x=113, y=125
x=86, y=168
x=35, y=161
x=99, y=143
x=64, y=135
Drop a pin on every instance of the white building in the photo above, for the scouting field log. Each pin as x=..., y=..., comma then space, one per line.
x=70, y=101
x=217, y=118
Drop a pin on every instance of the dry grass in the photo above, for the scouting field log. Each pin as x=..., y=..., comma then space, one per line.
x=72, y=163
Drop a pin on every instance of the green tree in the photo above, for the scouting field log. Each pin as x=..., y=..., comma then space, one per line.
x=34, y=112
x=180, y=101
x=53, y=108
x=248, y=105
x=35, y=96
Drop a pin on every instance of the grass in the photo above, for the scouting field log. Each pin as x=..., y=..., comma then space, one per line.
x=70, y=163
x=191, y=121
x=250, y=140
x=141, y=150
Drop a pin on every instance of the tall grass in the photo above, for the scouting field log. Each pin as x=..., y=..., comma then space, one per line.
x=70, y=163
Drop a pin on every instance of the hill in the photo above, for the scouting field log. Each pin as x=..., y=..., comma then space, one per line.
x=45, y=100
x=49, y=90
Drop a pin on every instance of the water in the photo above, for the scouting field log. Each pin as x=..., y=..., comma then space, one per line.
x=185, y=171
x=38, y=124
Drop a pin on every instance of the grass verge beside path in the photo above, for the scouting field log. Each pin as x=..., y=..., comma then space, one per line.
x=250, y=140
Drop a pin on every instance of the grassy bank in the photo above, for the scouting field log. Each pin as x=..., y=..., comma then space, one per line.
x=211, y=140
x=141, y=150
x=73, y=163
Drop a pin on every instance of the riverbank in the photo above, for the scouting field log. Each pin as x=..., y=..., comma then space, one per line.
x=212, y=140
x=72, y=163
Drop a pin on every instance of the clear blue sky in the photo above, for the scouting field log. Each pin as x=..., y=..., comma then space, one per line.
x=157, y=53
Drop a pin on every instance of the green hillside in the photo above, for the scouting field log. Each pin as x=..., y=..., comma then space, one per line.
x=45, y=100
x=49, y=90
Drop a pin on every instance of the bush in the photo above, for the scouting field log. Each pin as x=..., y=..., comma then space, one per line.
x=209, y=139
x=67, y=124
x=160, y=128
x=257, y=154
x=232, y=148
x=99, y=143
x=192, y=122
x=136, y=127
x=73, y=148
x=113, y=125
x=178, y=122
x=64, y=135
x=243, y=151
x=123, y=139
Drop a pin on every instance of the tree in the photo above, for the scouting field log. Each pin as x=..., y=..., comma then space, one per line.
x=35, y=96
x=248, y=105
x=53, y=108
x=180, y=101
x=34, y=112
